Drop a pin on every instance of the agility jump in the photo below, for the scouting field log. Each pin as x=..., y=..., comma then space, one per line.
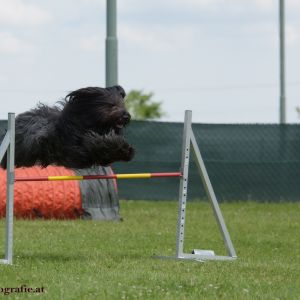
x=189, y=142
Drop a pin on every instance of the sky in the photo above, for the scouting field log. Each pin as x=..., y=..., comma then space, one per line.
x=218, y=58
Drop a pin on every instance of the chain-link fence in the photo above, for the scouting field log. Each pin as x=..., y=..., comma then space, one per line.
x=245, y=162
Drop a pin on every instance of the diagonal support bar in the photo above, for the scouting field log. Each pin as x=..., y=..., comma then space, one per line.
x=212, y=197
x=4, y=145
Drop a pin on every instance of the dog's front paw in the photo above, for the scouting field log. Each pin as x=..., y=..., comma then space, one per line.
x=127, y=153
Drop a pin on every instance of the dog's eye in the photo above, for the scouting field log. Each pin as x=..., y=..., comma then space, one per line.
x=111, y=104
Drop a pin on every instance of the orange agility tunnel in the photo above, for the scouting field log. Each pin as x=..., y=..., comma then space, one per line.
x=58, y=200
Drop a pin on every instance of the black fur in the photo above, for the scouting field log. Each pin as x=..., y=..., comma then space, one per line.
x=82, y=131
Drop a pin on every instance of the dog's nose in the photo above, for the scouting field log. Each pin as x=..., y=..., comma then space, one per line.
x=126, y=117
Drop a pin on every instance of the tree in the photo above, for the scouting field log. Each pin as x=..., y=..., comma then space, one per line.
x=298, y=110
x=141, y=106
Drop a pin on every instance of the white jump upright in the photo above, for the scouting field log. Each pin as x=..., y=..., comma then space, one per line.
x=189, y=141
x=8, y=145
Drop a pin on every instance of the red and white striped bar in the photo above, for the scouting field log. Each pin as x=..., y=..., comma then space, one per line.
x=93, y=177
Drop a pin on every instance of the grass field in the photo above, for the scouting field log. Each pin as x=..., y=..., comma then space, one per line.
x=107, y=260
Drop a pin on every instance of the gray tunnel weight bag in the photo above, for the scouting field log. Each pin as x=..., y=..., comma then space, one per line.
x=99, y=197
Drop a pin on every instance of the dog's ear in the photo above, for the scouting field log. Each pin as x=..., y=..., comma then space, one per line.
x=116, y=89
x=121, y=90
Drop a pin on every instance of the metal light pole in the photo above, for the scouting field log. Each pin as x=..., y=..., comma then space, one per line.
x=282, y=62
x=111, y=54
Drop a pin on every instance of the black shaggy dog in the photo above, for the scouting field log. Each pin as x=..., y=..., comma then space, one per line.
x=83, y=131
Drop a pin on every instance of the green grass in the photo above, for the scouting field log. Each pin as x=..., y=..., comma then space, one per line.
x=108, y=260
